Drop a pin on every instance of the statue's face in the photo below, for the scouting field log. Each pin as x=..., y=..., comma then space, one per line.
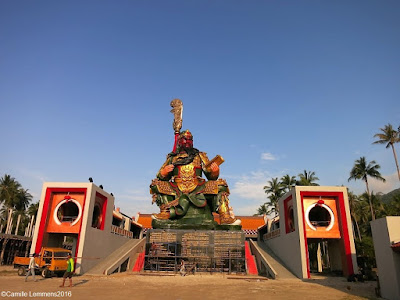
x=185, y=143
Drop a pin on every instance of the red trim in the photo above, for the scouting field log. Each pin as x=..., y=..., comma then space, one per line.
x=45, y=210
x=175, y=142
x=42, y=225
x=285, y=206
x=250, y=260
x=343, y=222
x=139, y=264
x=104, y=209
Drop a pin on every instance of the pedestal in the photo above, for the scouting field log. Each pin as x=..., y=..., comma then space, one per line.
x=201, y=250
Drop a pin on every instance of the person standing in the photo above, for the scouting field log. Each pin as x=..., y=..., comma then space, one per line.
x=31, y=268
x=70, y=270
x=182, y=268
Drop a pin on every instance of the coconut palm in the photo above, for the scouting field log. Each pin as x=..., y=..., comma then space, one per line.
x=307, y=178
x=287, y=182
x=361, y=170
x=12, y=195
x=354, y=211
x=389, y=136
x=9, y=188
x=275, y=190
x=33, y=209
x=262, y=210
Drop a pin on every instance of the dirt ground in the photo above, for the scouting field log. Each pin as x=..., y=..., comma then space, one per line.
x=199, y=286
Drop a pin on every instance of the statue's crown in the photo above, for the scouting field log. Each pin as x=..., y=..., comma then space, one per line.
x=187, y=135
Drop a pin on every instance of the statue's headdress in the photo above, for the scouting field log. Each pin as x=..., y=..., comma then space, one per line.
x=186, y=134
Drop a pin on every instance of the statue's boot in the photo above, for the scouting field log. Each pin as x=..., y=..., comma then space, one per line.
x=164, y=214
x=226, y=218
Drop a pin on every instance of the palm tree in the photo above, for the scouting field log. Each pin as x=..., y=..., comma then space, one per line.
x=12, y=195
x=354, y=204
x=9, y=188
x=33, y=209
x=307, y=178
x=274, y=188
x=275, y=191
x=287, y=182
x=389, y=136
x=262, y=210
x=361, y=170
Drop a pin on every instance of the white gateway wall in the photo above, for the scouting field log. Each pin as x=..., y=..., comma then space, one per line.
x=289, y=247
x=386, y=231
x=96, y=244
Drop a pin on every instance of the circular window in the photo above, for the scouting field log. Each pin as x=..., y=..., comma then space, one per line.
x=318, y=216
x=67, y=211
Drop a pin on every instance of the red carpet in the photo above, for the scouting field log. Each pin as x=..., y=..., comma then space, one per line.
x=250, y=261
x=139, y=263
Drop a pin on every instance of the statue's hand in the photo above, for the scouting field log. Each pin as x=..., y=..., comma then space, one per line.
x=166, y=170
x=214, y=167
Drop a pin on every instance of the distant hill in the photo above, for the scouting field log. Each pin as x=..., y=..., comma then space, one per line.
x=386, y=198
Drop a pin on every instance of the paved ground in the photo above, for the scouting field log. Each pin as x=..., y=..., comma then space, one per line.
x=132, y=286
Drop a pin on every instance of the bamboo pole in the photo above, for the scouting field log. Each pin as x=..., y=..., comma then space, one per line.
x=9, y=221
x=18, y=221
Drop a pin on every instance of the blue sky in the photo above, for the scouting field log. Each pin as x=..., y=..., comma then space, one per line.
x=275, y=87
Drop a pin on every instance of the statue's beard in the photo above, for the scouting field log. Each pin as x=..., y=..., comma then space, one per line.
x=192, y=152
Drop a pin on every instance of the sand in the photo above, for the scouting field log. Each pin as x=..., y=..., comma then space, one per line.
x=199, y=286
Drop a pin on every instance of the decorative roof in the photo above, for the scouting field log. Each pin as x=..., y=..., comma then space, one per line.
x=145, y=220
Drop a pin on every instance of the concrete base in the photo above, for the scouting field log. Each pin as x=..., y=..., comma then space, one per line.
x=201, y=250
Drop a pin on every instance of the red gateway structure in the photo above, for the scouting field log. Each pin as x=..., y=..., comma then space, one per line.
x=82, y=216
x=313, y=231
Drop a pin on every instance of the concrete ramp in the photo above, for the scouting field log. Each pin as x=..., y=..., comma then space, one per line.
x=120, y=260
x=268, y=263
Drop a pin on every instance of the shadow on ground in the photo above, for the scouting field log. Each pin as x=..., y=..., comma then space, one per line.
x=364, y=289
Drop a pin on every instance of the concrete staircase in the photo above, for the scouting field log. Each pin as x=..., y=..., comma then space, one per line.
x=268, y=263
x=120, y=260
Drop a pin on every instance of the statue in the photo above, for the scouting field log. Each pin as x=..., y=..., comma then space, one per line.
x=183, y=195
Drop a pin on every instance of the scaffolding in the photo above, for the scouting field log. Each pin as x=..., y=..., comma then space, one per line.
x=202, y=251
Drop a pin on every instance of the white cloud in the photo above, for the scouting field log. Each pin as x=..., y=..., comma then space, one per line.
x=250, y=186
x=392, y=182
x=134, y=201
x=267, y=156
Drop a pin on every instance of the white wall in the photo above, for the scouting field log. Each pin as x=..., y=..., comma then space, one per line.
x=96, y=244
x=289, y=247
x=384, y=232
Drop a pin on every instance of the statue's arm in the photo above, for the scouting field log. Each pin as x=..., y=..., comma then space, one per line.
x=212, y=172
x=165, y=172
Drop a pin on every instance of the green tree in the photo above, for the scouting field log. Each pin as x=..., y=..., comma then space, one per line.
x=307, y=178
x=12, y=195
x=389, y=136
x=9, y=189
x=262, y=210
x=354, y=204
x=287, y=182
x=33, y=209
x=275, y=190
x=393, y=207
x=361, y=170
